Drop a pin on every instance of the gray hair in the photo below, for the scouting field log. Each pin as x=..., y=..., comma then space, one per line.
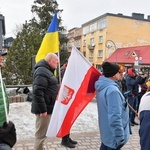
x=49, y=56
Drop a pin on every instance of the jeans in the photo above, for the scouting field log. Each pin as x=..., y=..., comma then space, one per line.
x=104, y=147
x=4, y=146
x=133, y=101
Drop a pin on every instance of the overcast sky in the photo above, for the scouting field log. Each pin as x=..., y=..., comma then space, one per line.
x=76, y=12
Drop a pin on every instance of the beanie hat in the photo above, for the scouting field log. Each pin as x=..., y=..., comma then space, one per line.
x=131, y=72
x=110, y=69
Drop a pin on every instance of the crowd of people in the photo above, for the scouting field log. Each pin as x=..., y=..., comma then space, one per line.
x=113, y=113
x=120, y=95
x=116, y=90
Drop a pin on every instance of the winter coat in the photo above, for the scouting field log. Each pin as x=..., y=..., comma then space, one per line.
x=113, y=113
x=144, y=129
x=133, y=83
x=45, y=88
x=2, y=106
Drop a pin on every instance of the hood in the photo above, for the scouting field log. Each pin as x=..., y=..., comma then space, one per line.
x=103, y=82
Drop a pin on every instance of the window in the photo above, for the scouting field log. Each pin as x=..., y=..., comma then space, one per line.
x=93, y=27
x=84, y=42
x=84, y=54
x=92, y=41
x=102, y=24
x=100, y=39
x=100, y=53
x=91, y=53
x=85, y=30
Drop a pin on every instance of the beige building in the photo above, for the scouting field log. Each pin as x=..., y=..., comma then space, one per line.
x=104, y=34
x=74, y=35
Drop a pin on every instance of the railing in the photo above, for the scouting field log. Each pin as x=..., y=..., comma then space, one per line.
x=26, y=87
x=18, y=86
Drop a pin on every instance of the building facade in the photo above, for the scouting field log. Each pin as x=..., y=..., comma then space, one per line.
x=74, y=35
x=104, y=34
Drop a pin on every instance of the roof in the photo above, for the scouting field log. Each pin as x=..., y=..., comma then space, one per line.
x=135, y=16
x=129, y=54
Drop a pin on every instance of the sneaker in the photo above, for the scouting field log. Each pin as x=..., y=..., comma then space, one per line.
x=67, y=143
x=72, y=141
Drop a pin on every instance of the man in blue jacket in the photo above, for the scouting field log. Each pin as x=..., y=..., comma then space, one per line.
x=133, y=79
x=113, y=112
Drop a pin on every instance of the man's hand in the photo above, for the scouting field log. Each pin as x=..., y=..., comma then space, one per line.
x=43, y=114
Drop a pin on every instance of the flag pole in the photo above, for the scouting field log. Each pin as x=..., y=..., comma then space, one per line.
x=3, y=94
x=59, y=74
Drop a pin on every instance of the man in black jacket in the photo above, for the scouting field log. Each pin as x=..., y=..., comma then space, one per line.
x=45, y=89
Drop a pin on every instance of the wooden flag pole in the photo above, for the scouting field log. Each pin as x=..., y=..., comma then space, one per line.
x=132, y=109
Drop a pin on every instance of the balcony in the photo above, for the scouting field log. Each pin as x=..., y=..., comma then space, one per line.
x=91, y=46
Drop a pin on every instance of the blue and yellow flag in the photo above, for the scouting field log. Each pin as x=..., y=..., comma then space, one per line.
x=50, y=43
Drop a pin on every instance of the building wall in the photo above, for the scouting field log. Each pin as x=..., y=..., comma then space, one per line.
x=128, y=32
x=74, y=37
x=119, y=31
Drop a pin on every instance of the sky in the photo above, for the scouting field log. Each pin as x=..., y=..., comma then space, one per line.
x=20, y=114
x=75, y=12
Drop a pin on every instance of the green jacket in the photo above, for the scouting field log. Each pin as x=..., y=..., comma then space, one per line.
x=2, y=106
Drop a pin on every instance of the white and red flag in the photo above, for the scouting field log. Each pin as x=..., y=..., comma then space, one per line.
x=76, y=91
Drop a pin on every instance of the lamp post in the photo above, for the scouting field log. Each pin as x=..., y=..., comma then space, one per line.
x=111, y=44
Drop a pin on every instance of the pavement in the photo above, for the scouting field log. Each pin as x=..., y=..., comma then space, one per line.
x=86, y=141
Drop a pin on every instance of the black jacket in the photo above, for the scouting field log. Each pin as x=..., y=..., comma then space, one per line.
x=45, y=88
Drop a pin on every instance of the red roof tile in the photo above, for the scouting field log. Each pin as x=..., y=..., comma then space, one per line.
x=127, y=55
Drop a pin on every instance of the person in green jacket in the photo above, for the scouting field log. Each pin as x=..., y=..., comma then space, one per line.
x=8, y=136
x=2, y=105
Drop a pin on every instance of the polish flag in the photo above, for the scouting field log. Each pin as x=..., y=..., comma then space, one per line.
x=76, y=91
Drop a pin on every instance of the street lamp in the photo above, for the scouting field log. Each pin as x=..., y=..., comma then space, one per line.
x=111, y=44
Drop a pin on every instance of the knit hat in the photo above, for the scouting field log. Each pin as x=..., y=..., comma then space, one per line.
x=110, y=69
x=131, y=72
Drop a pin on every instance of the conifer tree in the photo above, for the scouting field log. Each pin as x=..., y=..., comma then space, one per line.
x=27, y=42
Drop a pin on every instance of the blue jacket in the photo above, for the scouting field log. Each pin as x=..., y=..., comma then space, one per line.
x=133, y=83
x=113, y=113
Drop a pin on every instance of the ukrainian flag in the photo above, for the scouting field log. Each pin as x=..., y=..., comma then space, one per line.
x=50, y=43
